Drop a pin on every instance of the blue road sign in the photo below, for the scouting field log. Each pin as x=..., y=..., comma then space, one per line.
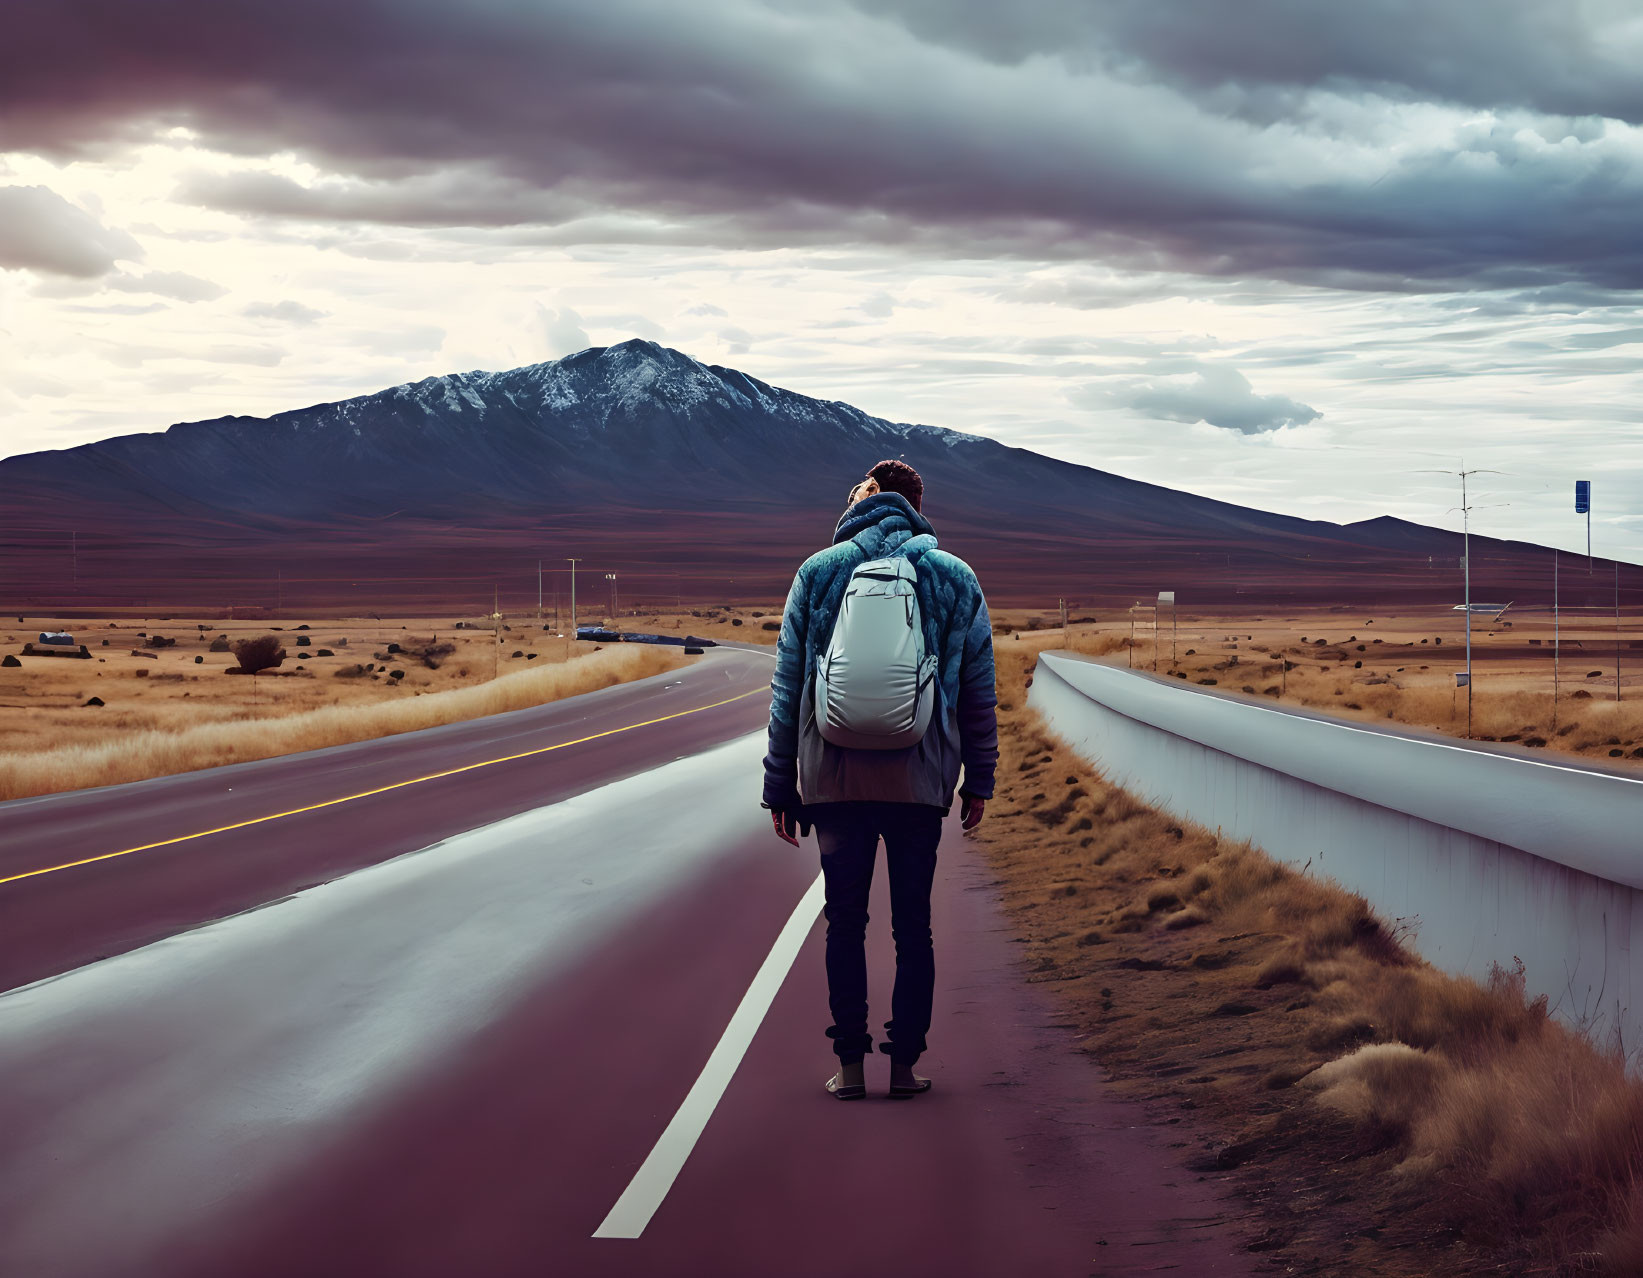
x=1583, y=496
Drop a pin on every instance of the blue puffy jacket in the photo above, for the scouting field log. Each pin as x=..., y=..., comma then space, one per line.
x=963, y=731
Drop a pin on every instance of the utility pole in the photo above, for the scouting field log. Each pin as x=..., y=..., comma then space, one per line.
x=1556, y=635
x=1466, y=550
x=74, y=550
x=279, y=591
x=1617, y=630
x=573, y=563
x=614, y=609
x=1466, y=562
x=496, y=630
x=538, y=592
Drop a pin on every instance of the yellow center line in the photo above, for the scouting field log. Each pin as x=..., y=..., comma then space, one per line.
x=365, y=794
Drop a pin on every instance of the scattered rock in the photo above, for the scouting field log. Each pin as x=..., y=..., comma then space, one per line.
x=10, y=662
x=95, y=701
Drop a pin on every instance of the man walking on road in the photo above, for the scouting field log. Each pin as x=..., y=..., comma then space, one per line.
x=883, y=690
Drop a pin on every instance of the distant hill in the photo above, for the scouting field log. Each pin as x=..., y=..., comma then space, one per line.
x=685, y=479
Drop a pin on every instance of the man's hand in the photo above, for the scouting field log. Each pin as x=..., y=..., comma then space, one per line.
x=787, y=828
x=970, y=812
x=789, y=824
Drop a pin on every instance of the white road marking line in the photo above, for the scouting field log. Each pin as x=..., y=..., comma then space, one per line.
x=650, y=1184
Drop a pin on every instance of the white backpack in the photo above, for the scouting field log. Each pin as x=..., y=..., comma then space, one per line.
x=875, y=685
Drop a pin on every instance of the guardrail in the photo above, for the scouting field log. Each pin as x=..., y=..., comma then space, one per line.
x=1486, y=857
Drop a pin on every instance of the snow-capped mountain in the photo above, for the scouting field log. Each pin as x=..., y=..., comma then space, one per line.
x=637, y=458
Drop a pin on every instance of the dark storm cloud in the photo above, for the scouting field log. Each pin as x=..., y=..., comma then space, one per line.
x=1185, y=137
x=1551, y=56
x=41, y=231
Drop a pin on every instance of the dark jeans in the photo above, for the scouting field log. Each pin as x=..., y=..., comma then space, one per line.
x=849, y=836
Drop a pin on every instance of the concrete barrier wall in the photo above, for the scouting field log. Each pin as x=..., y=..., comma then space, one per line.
x=1485, y=857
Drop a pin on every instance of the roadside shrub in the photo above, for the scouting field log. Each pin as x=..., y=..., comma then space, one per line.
x=262, y=653
x=303, y=641
x=219, y=644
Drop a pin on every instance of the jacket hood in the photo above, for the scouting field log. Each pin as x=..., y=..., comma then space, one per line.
x=885, y=524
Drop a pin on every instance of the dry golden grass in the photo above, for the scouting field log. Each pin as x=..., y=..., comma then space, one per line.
x=1396, y=668
x=1444, y=1127
x=150, y=752
x=44, y=703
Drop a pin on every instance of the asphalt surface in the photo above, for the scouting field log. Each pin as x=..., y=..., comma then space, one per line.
x=439, y=1029
x=57, y=921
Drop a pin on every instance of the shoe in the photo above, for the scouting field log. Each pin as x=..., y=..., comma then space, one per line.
x=901, y=1091
x=845, y=1091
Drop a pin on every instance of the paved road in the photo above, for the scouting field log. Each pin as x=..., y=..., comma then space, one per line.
x=459, y=1060
x=56, y=921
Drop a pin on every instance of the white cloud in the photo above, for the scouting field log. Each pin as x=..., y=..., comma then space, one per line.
x=1193, y=391
x=561, y=330
x=41, y=231
x=286, y=312
x=178, y=285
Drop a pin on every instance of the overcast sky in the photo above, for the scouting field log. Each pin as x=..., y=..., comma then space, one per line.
x=1278, y=252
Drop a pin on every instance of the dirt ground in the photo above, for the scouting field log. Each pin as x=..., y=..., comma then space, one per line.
x=1378, y=1116
x=345, y=661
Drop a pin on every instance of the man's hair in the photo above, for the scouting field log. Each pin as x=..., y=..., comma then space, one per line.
x=899, y=477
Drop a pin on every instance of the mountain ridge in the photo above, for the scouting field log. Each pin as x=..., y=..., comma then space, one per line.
x=651, y=461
